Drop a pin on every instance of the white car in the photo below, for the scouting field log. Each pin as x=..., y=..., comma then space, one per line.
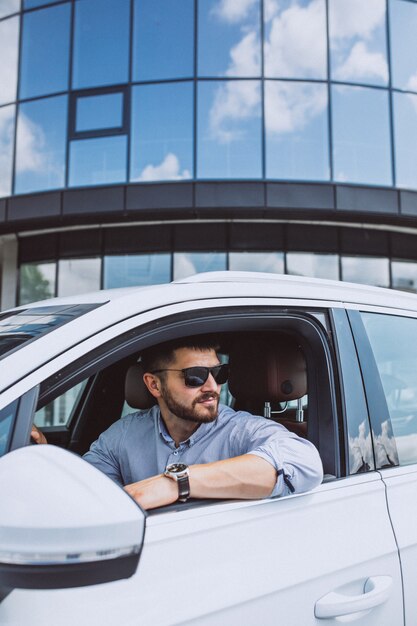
x=75, y=549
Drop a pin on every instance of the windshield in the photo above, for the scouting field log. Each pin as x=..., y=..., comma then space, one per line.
x=19, y=327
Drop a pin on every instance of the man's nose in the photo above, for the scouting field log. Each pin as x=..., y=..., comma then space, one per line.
x=210, y=384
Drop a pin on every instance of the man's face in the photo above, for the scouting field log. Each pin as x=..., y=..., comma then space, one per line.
x=195, y=404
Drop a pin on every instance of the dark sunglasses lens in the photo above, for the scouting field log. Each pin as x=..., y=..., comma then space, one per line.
x=222, y=375
x=195, y=376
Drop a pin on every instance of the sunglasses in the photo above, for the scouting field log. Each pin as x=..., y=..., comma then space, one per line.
x=197, y=376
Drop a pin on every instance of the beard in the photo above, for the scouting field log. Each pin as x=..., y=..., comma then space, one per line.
x=194, y=413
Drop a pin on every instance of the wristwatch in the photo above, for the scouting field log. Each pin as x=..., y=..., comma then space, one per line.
x=180, y=473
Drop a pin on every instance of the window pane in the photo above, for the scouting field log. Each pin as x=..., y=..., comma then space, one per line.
x=403, y=24
x=393, y=341
x=361, y=152
x=7, y=7
x=162, y=132
x=163, y=39
x=235, y=29
x=366, y=270
x=96, y=112
x=97, y=161
x=229, y=129
x=101, y=42
x=30, y=4
x=358, y=44
x=129, y=270
x=7, y=415
x=78, y=276
x=9, y=49
x=45, y=36
x=36, y=282
x=317, y=265
x=7, y=120
x=296, y=124
x=272, y=262
x=295, y=39
x=59, y=411
x=189, y=263
x=405, y=139
x=404, y=275
x=41, y=139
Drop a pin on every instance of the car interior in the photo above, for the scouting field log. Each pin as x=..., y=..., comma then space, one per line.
x=281, y=369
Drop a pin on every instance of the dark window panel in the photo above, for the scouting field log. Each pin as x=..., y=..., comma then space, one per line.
x=302, y=237
x=200, y=237
x=403, y=246
x=80, y=243
x=40, y=248
x=250, y=236
x=163, y=39
x=45, y=51
x=135, y=239
x=367, y=242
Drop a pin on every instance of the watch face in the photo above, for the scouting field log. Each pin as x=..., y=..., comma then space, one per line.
x=176, y=468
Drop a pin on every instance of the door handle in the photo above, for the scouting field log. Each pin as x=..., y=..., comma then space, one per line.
x=376, y=591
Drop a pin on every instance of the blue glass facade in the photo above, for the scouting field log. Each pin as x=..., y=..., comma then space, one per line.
x=133, y=96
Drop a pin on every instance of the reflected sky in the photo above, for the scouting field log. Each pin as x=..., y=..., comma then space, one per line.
x=358, y=41
x=7, y=7
x=98, y=161
x=7, y=117
x=128, y=270
x=41, y=144
x=229, y=129
x=162, y=132
x=101, y=43
x=361, y=137
x=235, y=27
x=36, y=282
x=189, y=263
x=99, y=112
x=365, y=270
x=403, y=22
x=295, y=39
x=405, y=139
x=316, y=265
x=9, y=39
x=297, y=145
x=163, y=39
x=45, y=36
x=78, y=276
x=272, y=262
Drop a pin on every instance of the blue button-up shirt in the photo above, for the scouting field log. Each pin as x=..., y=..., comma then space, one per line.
x=139, y=446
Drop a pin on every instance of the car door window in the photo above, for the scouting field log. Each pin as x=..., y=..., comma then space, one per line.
x=59, y=411
x=393, y=340
x=7, y=415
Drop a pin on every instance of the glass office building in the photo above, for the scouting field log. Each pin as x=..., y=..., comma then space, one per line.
x=144, y=140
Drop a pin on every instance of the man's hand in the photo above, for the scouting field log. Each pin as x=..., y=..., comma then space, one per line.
x=37, y=435
x=153, y=492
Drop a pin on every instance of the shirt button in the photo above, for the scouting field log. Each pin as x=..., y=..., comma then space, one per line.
x=175, y=452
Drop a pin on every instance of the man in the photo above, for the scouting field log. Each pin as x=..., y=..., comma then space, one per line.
x=189, y=446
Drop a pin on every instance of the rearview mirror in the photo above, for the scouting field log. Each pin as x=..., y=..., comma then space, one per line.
x=63, y=523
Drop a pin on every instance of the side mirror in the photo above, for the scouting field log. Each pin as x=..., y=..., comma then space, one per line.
x=63, y=523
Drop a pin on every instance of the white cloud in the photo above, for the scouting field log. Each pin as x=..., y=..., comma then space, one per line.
x=245, y=57
x=360, y=450
x=289, y=107
x=234, y=101
x=233, y=11
x=6, y=148
x=296, y=43
x=9, y=45
x=356, y=18
x=31, y=146
x=168, y=169
x=412, y=82
x=363, y=63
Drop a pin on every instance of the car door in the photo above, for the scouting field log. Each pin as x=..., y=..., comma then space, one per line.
x=324, y=556
x=388, y=341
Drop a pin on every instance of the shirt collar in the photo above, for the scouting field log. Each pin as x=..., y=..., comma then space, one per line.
x=196, y=436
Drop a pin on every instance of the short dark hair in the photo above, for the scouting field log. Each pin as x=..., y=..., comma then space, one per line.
x=162, y=355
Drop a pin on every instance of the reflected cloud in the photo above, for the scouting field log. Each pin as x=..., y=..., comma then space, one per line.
x=6, y=148
x=296, y=43
x=234, y=102
x=30, y=146
x=385, y=447
x=362, y=62
x=360, y=450
x=355, y=18
x=168, y=169
x=271, y=262
x=289, y=107
x=9, y=46
x=233, y=11
x=245, y=57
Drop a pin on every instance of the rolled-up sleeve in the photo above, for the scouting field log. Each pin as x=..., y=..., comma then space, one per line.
x=296, y=460
x=104, y=453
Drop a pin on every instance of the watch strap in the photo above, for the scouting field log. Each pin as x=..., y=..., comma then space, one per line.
x=183, y=488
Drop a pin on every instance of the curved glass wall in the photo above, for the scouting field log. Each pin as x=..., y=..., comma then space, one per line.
x=119, y=91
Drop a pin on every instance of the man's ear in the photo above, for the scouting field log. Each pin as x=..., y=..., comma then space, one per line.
x=153, y=384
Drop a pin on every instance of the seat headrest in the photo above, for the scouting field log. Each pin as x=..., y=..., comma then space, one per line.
x=268, y=369
x=136, y=393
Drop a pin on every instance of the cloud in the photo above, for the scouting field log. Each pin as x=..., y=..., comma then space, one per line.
x=234, y=102
x=233, y=11
x=168, y=169
x=245, y=57
x=360, y=450
x=296, y=43
x=6, y=148
x=356, y=18
x=412, y=82
x=30, y=146
x=9, y=46
x=289, y=107
x=361, y=62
